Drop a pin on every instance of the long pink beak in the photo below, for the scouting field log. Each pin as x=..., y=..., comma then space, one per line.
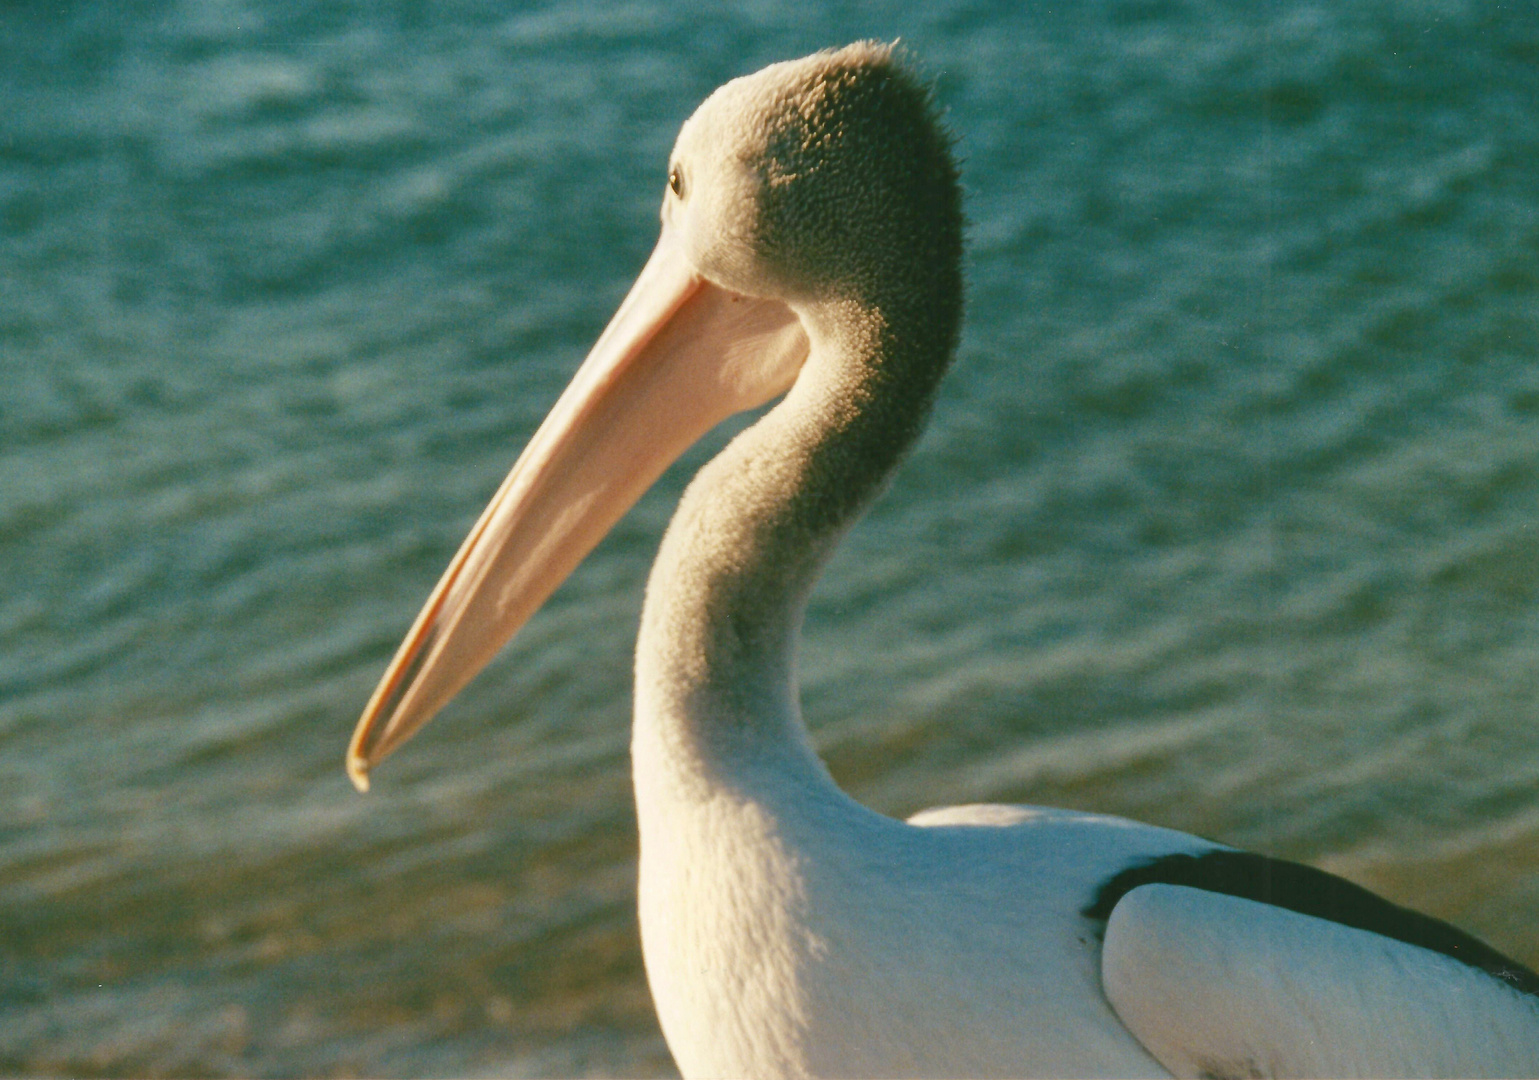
x=680, y=356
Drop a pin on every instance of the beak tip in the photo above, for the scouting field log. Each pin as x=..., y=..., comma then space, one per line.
x=358, y=772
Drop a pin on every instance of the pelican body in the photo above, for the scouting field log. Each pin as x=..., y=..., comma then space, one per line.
x=811, y=250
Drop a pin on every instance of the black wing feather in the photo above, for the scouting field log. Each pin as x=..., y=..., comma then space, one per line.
x=1311, y=892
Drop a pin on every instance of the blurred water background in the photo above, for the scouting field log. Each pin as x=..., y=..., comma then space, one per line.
x=1226, y=521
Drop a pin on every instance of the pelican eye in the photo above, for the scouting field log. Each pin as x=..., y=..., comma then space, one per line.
x=676, y=181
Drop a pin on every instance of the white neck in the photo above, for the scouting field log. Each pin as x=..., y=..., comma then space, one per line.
x=716, y=691
x=731, y=798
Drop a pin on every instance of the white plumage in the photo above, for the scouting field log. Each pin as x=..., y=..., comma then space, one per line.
x=811, y=247
x=1220, y=986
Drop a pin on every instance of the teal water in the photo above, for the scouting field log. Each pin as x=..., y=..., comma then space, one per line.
x=1226, y=520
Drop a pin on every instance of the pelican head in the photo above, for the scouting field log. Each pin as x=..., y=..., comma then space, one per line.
x=810, y=203
x=815, y=178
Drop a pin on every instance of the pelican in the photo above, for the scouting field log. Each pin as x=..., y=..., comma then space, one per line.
x=810, y=251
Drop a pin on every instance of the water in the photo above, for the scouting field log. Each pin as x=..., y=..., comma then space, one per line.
x=1226, y=520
